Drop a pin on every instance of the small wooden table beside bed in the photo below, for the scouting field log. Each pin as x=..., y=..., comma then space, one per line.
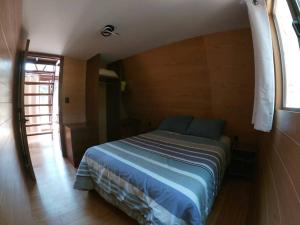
x=169, y=176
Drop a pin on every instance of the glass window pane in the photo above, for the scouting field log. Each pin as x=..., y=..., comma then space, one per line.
x=290, y=54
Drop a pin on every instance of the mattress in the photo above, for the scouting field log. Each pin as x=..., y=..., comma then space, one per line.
x=158, y=177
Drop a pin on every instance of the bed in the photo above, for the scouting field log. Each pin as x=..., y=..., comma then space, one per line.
x=160, y=177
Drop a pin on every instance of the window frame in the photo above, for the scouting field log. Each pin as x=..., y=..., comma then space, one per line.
x=295, y=12
x=294, y=6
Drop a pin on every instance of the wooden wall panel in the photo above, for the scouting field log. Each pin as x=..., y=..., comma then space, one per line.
x=14, y=200
x=281, y=151
x=231, y=69
x=157, y=82
x=273, y=209
x=289, y=124
x=92, y=86
x=210, y=76
x=157, y=87
x=74, y=78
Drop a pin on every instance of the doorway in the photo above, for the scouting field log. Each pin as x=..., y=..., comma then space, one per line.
x=41, y=105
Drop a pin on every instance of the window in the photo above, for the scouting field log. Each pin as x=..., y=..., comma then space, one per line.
x=285, y=12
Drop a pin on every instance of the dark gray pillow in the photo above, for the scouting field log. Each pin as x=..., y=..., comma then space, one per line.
x=207, y=128
x=178, y=124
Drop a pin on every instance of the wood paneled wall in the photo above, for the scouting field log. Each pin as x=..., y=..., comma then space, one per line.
x=279, y=160
x=210, y=76
x=231, y=71
x=92, y=90
x=279, y=177
x=14, y=201
x=74, y=77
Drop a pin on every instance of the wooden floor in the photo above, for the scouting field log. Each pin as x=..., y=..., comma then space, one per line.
x=54, y=201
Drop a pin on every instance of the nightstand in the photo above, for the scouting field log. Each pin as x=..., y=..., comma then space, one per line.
x=243, y=162
x=79, y=137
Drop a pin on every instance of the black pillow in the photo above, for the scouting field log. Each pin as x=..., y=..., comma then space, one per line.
x=178, y=124
x=207, y=128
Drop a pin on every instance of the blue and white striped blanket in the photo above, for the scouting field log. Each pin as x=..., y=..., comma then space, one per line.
x=158, y=177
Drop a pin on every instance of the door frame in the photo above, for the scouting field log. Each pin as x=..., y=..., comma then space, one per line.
x=21, y=120
x=60, y=97
x=20, y=106
x=60, y=106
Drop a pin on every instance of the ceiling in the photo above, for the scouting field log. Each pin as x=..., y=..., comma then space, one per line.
x=71, y=27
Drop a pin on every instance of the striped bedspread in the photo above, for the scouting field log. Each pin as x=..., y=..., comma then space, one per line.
x=158, y=177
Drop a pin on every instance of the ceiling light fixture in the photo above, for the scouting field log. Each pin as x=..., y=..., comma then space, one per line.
x=108, y=30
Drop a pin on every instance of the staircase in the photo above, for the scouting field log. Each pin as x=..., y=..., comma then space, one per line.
x=38, y=98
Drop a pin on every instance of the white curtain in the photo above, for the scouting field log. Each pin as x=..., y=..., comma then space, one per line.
x=264, y=98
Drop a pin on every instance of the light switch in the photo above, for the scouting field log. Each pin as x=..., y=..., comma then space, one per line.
x=67, y=100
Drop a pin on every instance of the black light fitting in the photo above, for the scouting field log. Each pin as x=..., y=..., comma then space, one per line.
x=108, y=30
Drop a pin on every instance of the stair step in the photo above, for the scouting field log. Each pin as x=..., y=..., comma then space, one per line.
x=38, y=124
x=36, y=105
x=37, y=115
x=39, y=83
x=39, y=133
x=38, y=94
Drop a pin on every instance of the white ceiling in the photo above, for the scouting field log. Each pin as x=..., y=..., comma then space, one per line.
x=71, y=27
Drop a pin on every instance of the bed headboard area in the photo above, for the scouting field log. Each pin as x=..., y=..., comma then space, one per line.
x=209, y=76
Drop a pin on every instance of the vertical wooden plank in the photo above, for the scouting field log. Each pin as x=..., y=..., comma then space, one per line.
x=14, y=200
x=282, y=151
x=231, y=70
x=92, y=95
x=74, y=78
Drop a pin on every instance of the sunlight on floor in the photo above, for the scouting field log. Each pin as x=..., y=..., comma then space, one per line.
x=46, y=152
x=52, y=171
x=53, y=199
